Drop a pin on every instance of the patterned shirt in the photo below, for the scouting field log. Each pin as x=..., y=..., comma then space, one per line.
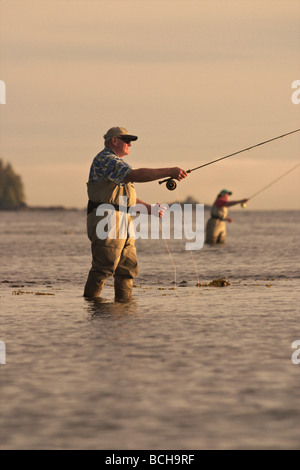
x=107, y=165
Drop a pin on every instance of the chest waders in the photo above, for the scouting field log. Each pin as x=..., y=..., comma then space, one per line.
x=111, y=256
x=216, y=225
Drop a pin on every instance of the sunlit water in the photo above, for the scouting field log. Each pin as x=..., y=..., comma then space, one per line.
x=181, y=367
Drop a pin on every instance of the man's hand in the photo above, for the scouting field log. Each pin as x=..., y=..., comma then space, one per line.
x=161, y=210
x=178, y=173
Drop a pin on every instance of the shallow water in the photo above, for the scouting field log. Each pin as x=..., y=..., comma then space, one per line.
x=181, y=367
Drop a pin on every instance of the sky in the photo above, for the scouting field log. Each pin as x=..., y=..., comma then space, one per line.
x=196, y=80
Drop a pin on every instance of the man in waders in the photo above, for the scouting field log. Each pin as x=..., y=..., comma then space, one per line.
x=216, y=225
x=111, y=179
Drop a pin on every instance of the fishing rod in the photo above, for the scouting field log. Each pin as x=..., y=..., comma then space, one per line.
x=271, y=184
x=171, y=184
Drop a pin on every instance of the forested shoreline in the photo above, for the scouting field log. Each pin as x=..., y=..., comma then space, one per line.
x=12, y=194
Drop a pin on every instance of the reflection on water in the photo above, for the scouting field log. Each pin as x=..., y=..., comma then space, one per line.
x=105, y=307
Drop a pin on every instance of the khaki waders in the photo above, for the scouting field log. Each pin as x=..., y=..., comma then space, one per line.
x=216, y=225
x=111, y=256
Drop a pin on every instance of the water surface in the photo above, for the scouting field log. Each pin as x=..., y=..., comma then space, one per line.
x=181, y=367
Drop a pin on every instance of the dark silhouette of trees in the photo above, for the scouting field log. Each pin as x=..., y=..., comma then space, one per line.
x=11, y=188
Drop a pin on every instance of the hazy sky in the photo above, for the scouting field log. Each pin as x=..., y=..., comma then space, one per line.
x=195, y=80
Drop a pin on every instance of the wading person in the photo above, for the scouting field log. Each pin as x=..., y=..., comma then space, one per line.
x=216, y=225
x=110, y=179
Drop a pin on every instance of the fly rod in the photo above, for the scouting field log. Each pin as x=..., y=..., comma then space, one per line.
x=171, y=184
x=271, y=184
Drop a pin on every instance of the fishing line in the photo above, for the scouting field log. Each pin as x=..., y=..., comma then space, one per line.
x=171, y=184
x=171, y=257
x=273, y=182
x=189, y=250
x=196, y=270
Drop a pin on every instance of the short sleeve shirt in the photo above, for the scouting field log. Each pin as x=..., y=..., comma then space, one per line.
x=107, y=165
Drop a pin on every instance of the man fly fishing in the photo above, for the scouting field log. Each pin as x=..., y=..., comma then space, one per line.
x=111, y=179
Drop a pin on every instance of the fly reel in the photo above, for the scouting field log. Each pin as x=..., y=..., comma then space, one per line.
x=171, y=185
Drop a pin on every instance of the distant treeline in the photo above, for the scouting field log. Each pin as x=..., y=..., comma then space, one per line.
x=190, y=200
x=11, y=188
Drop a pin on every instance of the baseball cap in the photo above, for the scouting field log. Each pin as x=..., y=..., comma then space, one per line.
x=225, y=191
x=118, y=132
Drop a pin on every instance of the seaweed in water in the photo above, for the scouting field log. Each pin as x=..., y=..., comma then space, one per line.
x=215, y=283
x=21, y=292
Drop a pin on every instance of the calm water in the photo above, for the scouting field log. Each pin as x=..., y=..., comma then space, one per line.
x=181, y=367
